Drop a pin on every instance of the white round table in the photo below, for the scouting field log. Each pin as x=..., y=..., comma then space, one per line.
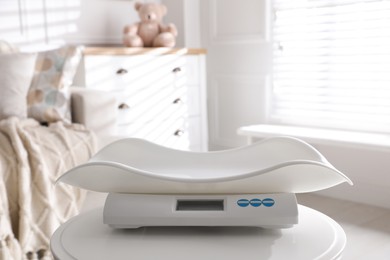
x=86, y=237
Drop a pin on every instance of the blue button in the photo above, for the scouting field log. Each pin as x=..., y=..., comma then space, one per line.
x=255, y=202
x=243, y=202
x=268, y=202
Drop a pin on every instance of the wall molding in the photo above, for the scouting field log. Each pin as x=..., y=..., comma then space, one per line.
x=237, y=38
x=217, y=92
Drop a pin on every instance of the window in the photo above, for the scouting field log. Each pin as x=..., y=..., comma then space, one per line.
x=331, y=64
x=26, y=22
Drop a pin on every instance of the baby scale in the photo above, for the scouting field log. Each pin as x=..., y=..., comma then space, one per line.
x=254, y=185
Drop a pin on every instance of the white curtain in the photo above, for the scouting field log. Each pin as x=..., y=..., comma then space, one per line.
x=331, y=66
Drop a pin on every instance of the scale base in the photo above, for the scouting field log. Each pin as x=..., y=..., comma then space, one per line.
x=258, y=210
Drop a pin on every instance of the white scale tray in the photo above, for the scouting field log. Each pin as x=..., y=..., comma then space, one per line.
x=274, y=165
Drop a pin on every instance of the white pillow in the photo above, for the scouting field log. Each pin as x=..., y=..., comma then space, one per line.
x=16, y=71
x=6, y=47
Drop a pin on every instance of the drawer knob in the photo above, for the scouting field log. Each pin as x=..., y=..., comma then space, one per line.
x=177, y=101
x=123, y=106
x=176, y=70
x=121, y=71
x=178, y=132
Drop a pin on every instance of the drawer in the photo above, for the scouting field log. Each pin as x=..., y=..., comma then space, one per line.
x=170, y=133
x=158, y=104
x=104, y=72
x=179, y=133
x=138, y=71
x=143, y=114
x=181, y=69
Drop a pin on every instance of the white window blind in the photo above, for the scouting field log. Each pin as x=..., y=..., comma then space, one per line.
x=28, y=22
x=331, y=65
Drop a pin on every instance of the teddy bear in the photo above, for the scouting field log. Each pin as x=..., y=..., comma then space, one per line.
x=150, y=31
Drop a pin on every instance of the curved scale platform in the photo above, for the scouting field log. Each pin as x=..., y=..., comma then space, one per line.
x=276, y=165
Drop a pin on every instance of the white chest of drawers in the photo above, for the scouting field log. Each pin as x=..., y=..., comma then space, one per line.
x=161, y=93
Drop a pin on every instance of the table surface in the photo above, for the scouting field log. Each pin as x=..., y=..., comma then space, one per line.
x=86, y=237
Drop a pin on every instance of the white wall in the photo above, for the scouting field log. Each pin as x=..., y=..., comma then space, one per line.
x=37, y=22
x=102, y=21
x=185, y=14
x=176, y=16
x=367, y=167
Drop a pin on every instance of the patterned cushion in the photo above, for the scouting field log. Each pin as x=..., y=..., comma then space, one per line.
x=48, y=99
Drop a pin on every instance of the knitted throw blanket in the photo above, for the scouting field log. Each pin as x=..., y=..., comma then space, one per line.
x=32, y=157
